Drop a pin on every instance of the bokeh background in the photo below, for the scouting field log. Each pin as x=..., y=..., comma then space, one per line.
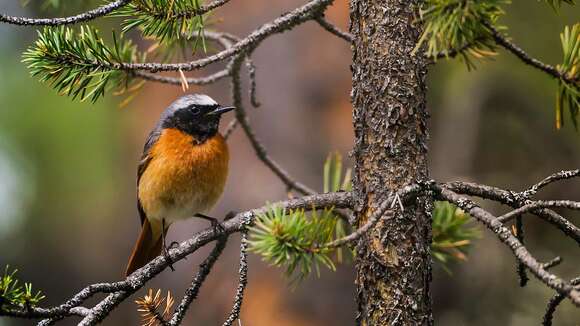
x=67, y=169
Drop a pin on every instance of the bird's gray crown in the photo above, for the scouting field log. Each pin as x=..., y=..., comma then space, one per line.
x=187, y=101
x=194, y=99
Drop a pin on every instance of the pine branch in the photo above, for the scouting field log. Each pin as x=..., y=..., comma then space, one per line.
x=452, y=234
x=181, y=19
x=453, y=27
x=149, y=308
x=86, y=16
x=279, y=25
x=80, y=64
x=14, y=296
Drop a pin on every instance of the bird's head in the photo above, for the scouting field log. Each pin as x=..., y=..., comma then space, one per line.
x=195, y=114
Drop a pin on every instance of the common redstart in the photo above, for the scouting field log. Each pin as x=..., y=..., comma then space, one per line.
x=182, y=172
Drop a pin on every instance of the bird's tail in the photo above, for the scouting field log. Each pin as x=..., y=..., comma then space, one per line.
x=148, y=245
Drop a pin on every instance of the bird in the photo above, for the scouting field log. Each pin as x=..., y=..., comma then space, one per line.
x=182, y=172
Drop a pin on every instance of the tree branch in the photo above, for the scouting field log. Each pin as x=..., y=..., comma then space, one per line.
x=119, y=291
x=391, y=202
x=539, y=204
x=502, y=40
x=333, y=29
x=553, y=304
x=505, y=236
x=558, y=176
x=178, y=81
x=201, y=10
x=89, y=15
x=243, y=281
x=278, y=25
x=515, y=200
x=552, y=263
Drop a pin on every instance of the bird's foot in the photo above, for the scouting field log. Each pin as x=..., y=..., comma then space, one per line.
x=168, y=257
x=216, y=225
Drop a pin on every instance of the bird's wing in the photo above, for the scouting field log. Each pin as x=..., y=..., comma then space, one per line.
x=145, y=159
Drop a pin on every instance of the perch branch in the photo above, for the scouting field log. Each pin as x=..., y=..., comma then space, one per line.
x=119, y=291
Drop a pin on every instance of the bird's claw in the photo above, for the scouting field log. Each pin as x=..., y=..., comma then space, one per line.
x=168, y=257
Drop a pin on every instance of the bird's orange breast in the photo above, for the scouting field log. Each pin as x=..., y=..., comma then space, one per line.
x=182, y=177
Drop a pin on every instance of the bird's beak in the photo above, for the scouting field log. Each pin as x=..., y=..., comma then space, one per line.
x=221, y=110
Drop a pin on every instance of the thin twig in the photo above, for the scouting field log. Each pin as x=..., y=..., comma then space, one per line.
x=553, y=304
x=199, y=11
x=539, y=204
x=552, y=263
x=452, y=53
x=252, y=76
x=562, y=175
x=243, y=281
x=515, y=200
x=178, y=81
x=391, y=202
x=197, y=282
x=230, y=128
x=223, y=39
x=259, y=148
x=89, y=15
x=503, y=41
x=65, y=309
x=333, y=29
x=520, y=267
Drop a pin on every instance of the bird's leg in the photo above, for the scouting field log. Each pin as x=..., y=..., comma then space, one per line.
x=165, y=248
x=218, y=228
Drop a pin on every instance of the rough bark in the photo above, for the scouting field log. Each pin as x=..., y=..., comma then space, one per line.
x=393, y=262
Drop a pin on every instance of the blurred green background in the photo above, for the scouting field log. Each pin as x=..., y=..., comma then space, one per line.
x=67, y=169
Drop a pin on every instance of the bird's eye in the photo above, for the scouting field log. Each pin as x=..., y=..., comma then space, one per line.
x=195, y=110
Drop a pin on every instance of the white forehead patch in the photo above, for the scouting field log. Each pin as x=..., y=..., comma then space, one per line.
x=201, y=99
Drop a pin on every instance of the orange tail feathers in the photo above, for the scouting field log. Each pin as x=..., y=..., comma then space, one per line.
x=148, y=246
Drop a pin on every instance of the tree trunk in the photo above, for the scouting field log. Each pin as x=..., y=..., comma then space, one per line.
x=393, y=262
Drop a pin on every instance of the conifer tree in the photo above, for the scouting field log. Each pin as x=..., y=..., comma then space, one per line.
x=390, y=217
